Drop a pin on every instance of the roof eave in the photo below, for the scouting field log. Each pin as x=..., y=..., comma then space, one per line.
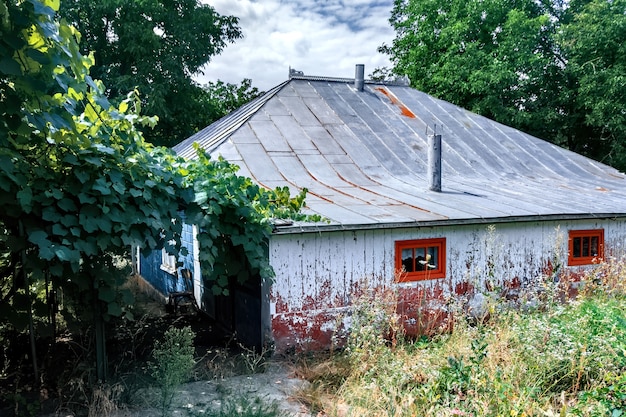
x=322, y=227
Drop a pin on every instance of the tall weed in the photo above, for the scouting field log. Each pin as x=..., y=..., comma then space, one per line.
x=565, y=357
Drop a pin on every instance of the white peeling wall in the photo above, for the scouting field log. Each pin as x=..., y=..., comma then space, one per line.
x=318, y=273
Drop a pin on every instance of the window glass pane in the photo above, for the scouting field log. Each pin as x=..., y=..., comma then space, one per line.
x=576, y=249
x=407, y=259
x=420, y=259
x=594, y=246
x=585, y=246
x=433, y=257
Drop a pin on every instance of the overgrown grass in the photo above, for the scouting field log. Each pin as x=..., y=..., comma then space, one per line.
x=560, y=359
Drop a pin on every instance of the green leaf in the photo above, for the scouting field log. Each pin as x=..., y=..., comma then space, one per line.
x=119, y=187
x=87, y=246
x=67, y=205
x=82, y=176
x=46, y=252
x=9, y=66
x=114, y=309
x=102, y=101
x=104, y=149
x=94, y=160
x=55, y=193
x=69, y=220
x=70, y=159
x=50, y=214
x=102, y=186
x=59, y=230
x=85, y=198
x=106, y=294
x=66, y=255
x=39, y=238
x=127, y=296
x=38, y=56
x=25, y=197
x=104, y=223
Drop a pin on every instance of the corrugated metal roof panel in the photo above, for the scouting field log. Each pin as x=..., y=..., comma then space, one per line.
x=363, y=158
x=215, y=133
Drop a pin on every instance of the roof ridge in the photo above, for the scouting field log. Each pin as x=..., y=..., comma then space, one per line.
x=299, y=75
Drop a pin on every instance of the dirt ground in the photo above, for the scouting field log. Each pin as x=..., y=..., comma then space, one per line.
x=221, y=377
x=277, y=385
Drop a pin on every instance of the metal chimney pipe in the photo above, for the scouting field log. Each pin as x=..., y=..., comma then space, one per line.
x=434, y=163
x=359, y=77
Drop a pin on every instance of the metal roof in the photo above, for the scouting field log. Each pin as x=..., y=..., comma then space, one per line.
x=363, y=157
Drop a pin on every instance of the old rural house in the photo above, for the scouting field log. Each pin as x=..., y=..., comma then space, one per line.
x=498, y=210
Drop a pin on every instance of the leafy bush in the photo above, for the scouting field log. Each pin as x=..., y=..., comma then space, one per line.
x=173, y=363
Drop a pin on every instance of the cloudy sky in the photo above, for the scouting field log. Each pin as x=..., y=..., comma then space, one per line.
x=318, y=37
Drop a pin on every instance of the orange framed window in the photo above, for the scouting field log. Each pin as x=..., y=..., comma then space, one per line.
x=421, y=259
x=585, y=247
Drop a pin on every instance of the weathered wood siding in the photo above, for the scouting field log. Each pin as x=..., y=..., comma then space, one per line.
x=150, y=270
x=319, y=274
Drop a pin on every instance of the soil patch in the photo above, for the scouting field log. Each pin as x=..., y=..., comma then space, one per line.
x=276, y=387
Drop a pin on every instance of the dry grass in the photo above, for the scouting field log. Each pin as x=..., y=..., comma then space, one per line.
x=559, y=359
x=104, y=400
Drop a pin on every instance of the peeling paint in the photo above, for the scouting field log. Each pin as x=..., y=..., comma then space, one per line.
x=317, y=282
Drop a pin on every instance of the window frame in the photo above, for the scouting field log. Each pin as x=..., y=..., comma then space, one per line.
x=585, y=260
x=168, y=262
x=439, y=272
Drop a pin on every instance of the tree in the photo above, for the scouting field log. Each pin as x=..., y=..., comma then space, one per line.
x=592, y=39
x=77, y=179
x=222, y=98
x=514, y=62
x=157, y=47
x=80, y=186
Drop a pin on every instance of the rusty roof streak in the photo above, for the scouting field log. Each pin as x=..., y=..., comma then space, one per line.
x=393, y=180
x=364, y=162
x=353, y=184
x=400, y=202
x=288, y=183
x=396, y=101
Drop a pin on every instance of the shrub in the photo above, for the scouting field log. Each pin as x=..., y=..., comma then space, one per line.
x=173, y=362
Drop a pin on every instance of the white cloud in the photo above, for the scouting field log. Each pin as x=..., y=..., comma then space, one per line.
x=317, y=37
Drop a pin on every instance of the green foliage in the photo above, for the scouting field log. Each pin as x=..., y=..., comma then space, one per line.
x=78, y=182
x=373, y=319
x=235, y=220
x=158, y=47
x=607, y=399
x=553, y=69
x=222, y=98
x=22, y=405
x=592, y=41
x=79, y=186
x=173, y=363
